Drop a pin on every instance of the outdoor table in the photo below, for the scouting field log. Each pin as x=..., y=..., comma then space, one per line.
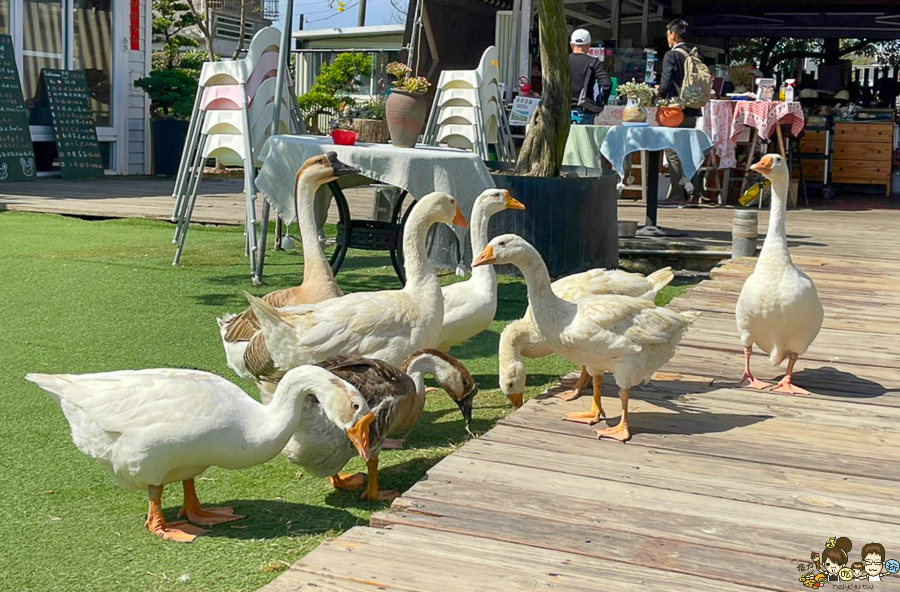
x=417, y=171
x=618, y=142
x=765, y=117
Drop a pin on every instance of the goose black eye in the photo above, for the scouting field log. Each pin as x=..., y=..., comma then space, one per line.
x=356, y=406
x=502, y=243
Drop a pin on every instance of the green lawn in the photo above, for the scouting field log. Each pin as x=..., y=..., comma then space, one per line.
x=84, y=296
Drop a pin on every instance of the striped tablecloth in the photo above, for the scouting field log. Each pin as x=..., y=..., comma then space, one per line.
x=583, y=145
x=764, y=116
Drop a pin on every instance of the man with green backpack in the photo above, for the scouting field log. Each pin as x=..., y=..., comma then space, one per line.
x=685, y=80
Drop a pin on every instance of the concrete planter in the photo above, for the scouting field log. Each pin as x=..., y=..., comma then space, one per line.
x=572, y=222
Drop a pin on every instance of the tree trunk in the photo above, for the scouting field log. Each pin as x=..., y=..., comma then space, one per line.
x=240, y=44
x=542, y=151
x=203, y=23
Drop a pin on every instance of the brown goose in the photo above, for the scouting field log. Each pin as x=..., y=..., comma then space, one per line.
x=396, y=396
x=245, y=348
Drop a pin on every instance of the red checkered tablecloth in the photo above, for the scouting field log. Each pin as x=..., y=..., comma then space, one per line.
x=764, y=116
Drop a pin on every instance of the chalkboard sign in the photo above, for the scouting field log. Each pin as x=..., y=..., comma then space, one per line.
x=73, y=123
x=16, y=150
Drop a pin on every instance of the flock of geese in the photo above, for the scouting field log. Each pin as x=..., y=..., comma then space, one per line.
x=344, y=374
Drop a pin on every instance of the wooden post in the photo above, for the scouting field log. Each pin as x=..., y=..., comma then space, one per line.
x=542, y=151
x=645, y=23
x=744, y=232
x=615, y=19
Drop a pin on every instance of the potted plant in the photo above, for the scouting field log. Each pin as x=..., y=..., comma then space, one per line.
x=341, y=132
x=406, y=108
x=742, y=77
x=334, y=84
x=669, y=113
x=571, y=221
x=639, y=96
x=172, y=94
x=368, y=120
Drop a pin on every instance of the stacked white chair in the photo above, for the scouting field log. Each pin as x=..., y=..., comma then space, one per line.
x=467, y=111
x=231, y=121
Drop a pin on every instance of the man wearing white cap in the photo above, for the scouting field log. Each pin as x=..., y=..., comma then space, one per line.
x=586, y=71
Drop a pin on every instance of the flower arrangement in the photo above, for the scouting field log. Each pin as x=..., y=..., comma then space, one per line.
x=405, y=82
x=741, y=76
x=640, y=91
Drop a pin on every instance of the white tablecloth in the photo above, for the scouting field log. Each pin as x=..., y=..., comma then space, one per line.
x=419, y=170
x=690, y=145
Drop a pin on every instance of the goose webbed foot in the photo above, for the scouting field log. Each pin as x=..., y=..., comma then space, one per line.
x=620, y=433
x=347, y=481
x=198, y=515
x=372, y=493
x=749, y=381
x=786, y=386
x=178, y=532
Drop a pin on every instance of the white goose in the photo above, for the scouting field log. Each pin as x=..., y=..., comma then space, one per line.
x=158, y=426
x=778, y=309
x=386, y=325
x=629, y=337
x=520, y=338
x=470, y=306
x=244, y=346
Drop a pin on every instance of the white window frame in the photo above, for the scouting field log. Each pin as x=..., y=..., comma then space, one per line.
x=118, y=132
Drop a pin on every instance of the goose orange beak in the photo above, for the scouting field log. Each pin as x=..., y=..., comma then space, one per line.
x=359, y=435
x=512, y=203
x=486, y=257
x=459, y=219
x=517, y=400
x=763, y=166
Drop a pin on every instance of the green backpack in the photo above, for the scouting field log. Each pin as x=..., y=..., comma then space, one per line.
x=697, y=83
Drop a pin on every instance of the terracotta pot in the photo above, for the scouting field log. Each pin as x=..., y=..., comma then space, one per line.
x=406, y=113
x=669, y=116
x=634, y=111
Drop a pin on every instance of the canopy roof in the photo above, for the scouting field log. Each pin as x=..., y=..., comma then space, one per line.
x=857, y=19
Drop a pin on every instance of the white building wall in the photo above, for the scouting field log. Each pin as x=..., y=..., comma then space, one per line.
x=137, y=134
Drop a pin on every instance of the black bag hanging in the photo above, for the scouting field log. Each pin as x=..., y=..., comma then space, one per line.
x=585, y=103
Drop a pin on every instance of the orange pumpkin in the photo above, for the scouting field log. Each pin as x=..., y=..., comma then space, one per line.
x=669, y=116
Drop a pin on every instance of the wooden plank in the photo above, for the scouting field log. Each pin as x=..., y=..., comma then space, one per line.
x=434, y=560
x=592, y=540
x=735, y=436
x=528, y=481
x=691, y=473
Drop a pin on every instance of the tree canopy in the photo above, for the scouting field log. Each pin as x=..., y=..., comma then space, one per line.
x=768, y=53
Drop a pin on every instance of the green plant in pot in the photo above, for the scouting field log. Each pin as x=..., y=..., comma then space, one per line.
x=640, y=95
x=333, y=87
x=172, y=94
x=405, y=108
x=571, y=221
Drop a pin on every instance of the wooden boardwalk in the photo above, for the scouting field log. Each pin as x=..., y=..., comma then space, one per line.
x=720, y=489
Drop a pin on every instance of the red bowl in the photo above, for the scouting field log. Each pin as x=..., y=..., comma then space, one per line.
x=344, y=137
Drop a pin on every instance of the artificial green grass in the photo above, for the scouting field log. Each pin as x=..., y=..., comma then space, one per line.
x=84, y=296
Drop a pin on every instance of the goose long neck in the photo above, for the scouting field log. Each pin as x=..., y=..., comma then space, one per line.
x=419, y=271
x=775, y=247
x=314, y=262
x=540, y=295
x=271, y=426
x=478, y=234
